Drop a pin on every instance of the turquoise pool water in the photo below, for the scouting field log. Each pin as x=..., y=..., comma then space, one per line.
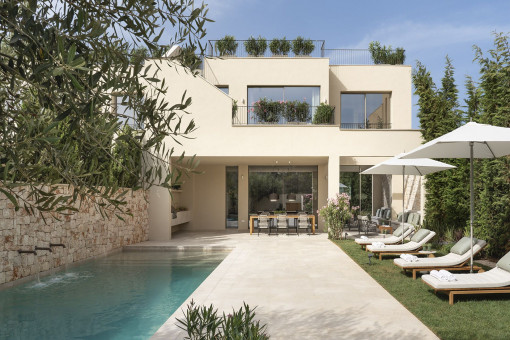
x=127, y=295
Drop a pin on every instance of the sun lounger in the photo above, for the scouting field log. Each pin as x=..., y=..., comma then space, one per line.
x=494, y=281
x=450, y=262
x=393, y=239
x=412, y=247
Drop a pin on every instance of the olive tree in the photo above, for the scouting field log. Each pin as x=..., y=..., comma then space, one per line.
x=61, y=61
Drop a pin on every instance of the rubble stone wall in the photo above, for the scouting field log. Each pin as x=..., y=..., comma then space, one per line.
x=85, y=234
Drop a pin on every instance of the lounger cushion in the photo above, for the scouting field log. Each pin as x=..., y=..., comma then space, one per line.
x=462, y=246
x=387, y=214
x=504, y=263
x=398, y=231
x=420, y=235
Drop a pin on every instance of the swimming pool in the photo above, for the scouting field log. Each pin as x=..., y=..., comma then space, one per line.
x=126, y=295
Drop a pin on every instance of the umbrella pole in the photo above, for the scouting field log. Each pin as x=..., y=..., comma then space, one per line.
x=472, y=200
x=403, y=196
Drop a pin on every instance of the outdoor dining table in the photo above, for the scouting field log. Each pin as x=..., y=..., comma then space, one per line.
x=253, y=217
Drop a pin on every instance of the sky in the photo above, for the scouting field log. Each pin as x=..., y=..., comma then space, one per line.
x=427, y=30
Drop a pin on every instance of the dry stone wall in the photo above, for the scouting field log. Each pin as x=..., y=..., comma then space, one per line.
x=85, y=234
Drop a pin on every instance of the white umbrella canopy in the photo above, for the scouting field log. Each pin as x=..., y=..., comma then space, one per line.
x=418, y=166
x=472, y=140
x=488, y=142
x=399, y=166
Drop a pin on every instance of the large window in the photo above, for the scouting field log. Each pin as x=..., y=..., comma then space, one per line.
x=308, y=94
x=282, y=189
x=365, y=110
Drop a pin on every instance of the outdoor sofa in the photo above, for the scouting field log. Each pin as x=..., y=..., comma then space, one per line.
x=421, y=237
x=494, y=281
x=457, y=259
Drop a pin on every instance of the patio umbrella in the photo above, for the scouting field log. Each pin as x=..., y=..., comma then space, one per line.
x=471, y=140
x=399, y=166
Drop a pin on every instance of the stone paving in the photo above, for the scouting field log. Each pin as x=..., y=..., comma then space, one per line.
x=304, y=287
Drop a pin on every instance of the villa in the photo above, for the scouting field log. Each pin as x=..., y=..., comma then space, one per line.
x=253, y=160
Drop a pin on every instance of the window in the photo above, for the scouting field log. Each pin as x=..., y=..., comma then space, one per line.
x=365, y=110
x=223, y=88
x=300, y=181
x=308, y=94
x=231, y=197
x=126, y=115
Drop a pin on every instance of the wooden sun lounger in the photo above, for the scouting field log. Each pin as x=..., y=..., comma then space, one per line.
x=396, y=253
x=461, y=267
x=451, y=292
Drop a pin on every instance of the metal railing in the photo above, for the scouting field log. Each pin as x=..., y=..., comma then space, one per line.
x=335, y=56
x=365, y=126
x=360, y=57
x=240, y=51
x=247, y=115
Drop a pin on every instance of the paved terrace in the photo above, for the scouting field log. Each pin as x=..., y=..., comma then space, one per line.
x=304, y=288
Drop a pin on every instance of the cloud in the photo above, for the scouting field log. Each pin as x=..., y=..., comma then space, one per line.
x=423, y=36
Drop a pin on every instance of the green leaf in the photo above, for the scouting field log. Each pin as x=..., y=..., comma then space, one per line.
x=11, y=198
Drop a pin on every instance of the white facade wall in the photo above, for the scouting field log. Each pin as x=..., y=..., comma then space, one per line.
x=217, y=143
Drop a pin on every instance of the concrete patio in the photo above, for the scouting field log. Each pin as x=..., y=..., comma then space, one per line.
x=304, y=287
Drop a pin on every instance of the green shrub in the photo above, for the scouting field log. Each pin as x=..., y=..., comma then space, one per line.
x=323, y=114
x=234, y=109
x=205, y=323
x=227, y=45
x=256, y=47
x=300, y=46
x=386, y=55
x=279, y=46
x=308, y=47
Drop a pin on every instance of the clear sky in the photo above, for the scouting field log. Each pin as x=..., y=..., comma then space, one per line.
x=428, y=30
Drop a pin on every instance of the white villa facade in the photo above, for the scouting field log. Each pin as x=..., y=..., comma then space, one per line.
x=300, y=162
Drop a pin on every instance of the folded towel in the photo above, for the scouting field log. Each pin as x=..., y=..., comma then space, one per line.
x=364, y=237
x=443, y=275
x=449, y=276
x=409, y=258
x=378, y=245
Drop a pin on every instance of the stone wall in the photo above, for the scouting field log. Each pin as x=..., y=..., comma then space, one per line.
x=86, y=234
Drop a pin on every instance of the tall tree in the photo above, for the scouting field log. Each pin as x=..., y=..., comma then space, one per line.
x=493, y=176
x=439, y=113
x=60, y=63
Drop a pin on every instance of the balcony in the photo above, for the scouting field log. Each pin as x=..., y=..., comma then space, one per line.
x=335, y=56
x=249, y=115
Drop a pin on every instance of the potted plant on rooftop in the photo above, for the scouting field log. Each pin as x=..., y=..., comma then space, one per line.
x=302, y=47
x=227, y=46
x=279, y=47
x=255, y=47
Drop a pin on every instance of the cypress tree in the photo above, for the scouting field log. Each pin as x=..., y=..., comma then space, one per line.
x=439, y=113
x=493, y=176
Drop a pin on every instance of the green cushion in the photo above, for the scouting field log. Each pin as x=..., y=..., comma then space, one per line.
x=461, y=247
x=420, y=235
x=399, y=217
x=387, y=214
x=504, y=263
x=378, y=213
x=398, y=231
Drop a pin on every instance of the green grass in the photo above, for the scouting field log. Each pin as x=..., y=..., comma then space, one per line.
x=471, y=317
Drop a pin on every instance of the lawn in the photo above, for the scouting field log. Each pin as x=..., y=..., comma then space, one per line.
x=471, y=317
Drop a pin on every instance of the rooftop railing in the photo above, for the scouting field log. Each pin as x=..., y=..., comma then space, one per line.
x=335, y=56
x=240, y=51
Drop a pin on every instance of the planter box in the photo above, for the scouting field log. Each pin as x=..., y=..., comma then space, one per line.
x=182, y=217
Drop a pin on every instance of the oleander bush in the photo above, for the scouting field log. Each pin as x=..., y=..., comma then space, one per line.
x=201, y=322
